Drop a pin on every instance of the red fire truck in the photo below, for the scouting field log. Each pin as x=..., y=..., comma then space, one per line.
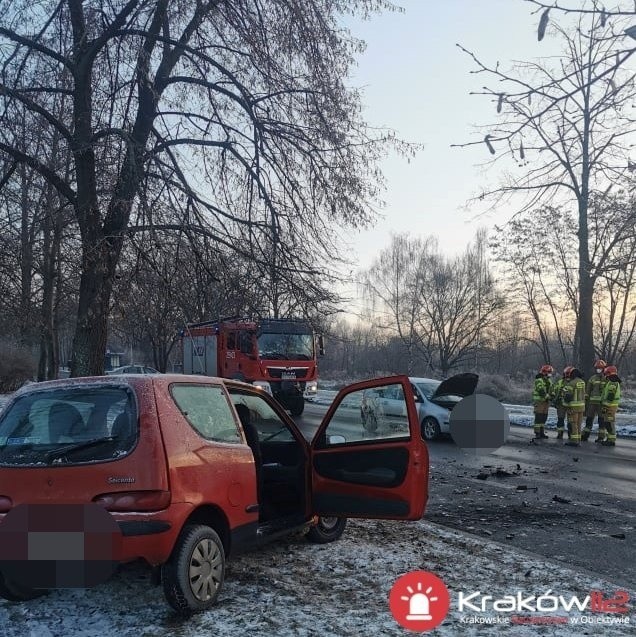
x=278, y=355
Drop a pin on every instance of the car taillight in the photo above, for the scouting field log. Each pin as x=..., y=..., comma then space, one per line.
x=5, y=503
x=134, y=500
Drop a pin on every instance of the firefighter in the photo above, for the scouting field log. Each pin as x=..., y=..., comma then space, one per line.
x=557, y=401
x=609, y=405
x=574, y=401
x=593, y=392
x=541, y=400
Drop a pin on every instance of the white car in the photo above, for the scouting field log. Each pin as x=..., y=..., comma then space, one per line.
x=385, y=407
x=133, y=369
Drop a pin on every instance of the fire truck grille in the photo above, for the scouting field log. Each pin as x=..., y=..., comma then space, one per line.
x=287, y=373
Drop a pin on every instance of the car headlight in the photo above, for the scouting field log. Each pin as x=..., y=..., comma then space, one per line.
x=311, y=387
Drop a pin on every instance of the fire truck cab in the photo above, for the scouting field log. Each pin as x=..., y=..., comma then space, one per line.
x=278, y=355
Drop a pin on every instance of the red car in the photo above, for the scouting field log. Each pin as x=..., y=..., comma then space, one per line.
x=188, y=470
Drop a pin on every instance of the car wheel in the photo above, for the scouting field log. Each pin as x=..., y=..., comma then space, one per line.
x=297, y=406
x=193, y=576
x=328, y=529
x=370, y=423
x=430, y=429
x=16, y=592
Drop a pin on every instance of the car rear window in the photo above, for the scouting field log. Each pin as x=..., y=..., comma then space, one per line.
x=207, y=409
x=69, y=426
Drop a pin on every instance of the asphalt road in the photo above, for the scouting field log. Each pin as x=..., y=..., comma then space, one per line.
x=565, y=503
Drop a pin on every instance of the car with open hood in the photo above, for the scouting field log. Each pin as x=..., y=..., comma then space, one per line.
x=182, y=472
x=381, y=407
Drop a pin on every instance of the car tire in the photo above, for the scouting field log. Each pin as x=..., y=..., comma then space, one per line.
x=297, y=406
x=430, y=429
x=13, y=592
x=193, y=576
x=328, y=529
x=370, y=423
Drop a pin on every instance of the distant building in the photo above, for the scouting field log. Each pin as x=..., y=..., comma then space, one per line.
x=112, y=360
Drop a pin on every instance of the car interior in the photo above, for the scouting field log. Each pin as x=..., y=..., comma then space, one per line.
x=279, y=457
x=49, y=419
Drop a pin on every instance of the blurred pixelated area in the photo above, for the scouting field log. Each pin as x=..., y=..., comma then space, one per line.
x=479, y=424
x=59, y=545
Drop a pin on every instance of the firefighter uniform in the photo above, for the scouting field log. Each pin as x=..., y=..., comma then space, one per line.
x=593, y=392
x=541, y=399
x=557, y=400
x=574, y=402
x=609, y=405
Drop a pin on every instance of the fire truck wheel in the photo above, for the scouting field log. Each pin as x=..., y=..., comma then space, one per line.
x=297, y=406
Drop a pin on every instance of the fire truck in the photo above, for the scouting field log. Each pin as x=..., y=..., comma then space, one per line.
x=278, y=355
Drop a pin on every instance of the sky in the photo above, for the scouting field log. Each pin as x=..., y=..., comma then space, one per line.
x=417, y=82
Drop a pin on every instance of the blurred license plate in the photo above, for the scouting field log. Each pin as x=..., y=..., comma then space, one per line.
x=288, y=375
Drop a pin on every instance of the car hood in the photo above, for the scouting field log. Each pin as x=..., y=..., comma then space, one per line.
x=458, y=385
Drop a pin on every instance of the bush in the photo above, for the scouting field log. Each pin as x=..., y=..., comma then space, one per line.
x=505, y=389
x=17, y=365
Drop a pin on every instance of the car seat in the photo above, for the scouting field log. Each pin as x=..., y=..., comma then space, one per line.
x=122, y=428
x=251, y=436
x=65, y=421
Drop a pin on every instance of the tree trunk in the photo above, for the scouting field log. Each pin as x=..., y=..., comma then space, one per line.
x=585, y=319
x=48, y=283
x=585, y=330
x=26, y=259
x=91, y=332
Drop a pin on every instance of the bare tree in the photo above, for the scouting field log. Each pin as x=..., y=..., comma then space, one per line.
x=393, y=287
x=459, y=300
x=538, y=255
x=439, y=307
x=240, y=125
x=566, y=124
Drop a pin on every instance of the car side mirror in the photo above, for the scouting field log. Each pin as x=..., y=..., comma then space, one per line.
x=321, y=346
x=337, y=440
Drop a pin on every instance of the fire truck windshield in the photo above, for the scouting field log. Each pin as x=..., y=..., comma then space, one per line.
x=286, y=346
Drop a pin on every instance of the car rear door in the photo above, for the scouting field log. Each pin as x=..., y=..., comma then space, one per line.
x=379, y=474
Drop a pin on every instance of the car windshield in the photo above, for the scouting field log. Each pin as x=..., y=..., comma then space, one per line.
x=286, y=346
x=428, y=387
x=95, y=423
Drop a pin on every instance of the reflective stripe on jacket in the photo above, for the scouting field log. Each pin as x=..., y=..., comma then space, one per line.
x=594, y=389
x=574, y=393
x=611, y=393
x=541, y=390
x=557, y=391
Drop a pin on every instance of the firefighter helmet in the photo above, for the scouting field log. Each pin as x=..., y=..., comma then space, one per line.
x=610, y=370
x=567, y=370
x=599, y=363
x=546, y=369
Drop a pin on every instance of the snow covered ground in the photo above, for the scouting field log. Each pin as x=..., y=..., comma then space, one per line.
x=296, y=589
x=523, y=415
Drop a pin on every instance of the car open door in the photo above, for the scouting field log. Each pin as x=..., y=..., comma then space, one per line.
x=378, y=474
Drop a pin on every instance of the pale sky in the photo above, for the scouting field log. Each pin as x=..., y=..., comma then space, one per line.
x=416, y=81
